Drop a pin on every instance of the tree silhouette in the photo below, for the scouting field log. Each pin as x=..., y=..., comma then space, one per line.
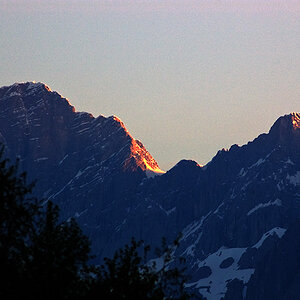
x=17, y=223
x=130, y=275
x=60, y=253
x=44, y=258
x=40, y=257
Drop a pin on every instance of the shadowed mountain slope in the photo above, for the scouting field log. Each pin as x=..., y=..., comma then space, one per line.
x=235, y=212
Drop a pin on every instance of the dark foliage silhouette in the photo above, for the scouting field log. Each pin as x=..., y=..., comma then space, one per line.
x=44, y=258
x=130, y=275
x=40, y=257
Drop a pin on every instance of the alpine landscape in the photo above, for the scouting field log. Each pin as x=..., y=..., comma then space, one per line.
x=237, y=217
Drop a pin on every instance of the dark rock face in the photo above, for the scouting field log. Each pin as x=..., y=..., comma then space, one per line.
x=235, y=290
x=204, y=272
x=227, y=262
x=277, y=273
x=236, y=214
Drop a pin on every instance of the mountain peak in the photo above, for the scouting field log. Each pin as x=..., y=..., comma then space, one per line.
x=30, y=93
x=26, y=86
x=286, y=123
x=295, y=120
x=142, y=159
x=33, y=105
x=24, y=89
x=286, y=130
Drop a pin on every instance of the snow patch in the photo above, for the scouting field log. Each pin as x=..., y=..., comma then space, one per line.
x=83, y=130
x=41, y=159
x=242, y=172
x=63, y=159
x=289, y=162
x=189, y=251
x=214, y=286
x=171, y=210
x=193, y=227
x=277, y=230
x=295, y=179
x=276, y=202
x=259, y=162
x=13, y=94
x=77, y=215
x=157, y=263
x=79, y=173
x=218, y=208
x=168, y=212
x=34, y=86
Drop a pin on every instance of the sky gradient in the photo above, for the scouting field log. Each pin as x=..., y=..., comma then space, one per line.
x=186, y=77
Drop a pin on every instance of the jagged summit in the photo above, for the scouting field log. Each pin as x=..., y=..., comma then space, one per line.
x=26, y=87
x=286, y=129
x=287, y=122
x=26, y=92
x=24, y=83
x=295, y=120
x=36, y=113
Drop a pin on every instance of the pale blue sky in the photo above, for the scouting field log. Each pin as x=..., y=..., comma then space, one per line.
x=187, y=77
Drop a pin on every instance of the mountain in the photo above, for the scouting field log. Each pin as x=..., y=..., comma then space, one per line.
x=238, y=215
x=87, y=165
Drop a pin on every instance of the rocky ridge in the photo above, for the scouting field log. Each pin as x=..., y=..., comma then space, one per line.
x=233, y=213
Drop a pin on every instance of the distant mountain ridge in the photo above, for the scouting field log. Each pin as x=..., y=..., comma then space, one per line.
x=238, y=214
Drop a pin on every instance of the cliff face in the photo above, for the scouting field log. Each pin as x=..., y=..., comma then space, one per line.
x=237, y=214
x=84, y=164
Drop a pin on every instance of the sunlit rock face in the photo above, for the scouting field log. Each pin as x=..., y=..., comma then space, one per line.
x=85, y=164
x=238, y=214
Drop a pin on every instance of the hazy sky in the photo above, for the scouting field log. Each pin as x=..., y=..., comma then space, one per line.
x=186, y=77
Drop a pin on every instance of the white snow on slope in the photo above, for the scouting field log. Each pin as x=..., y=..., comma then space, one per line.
x=277, y=230
x=214, y=286
x=242, y=172
x=276, y=202
x=295, y=179
x=289, y=162
x=259, y=162
x=194, y=227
